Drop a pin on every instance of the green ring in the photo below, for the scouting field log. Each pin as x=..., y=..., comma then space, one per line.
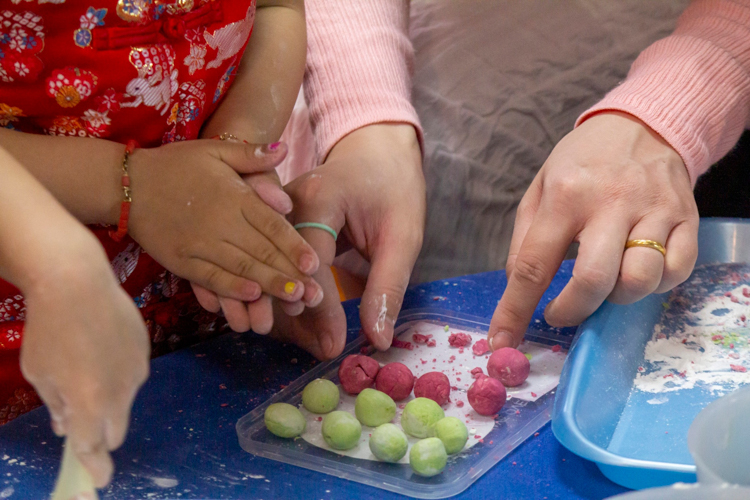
x=318, y=225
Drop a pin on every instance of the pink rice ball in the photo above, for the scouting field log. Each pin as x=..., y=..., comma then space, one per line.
x=486, y=395
x=435, y=386
x=396, y=380
x=357, y=373
x=510, y=366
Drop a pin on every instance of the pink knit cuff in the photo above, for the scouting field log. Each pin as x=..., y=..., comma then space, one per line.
x=359, y=67
x=691, y=88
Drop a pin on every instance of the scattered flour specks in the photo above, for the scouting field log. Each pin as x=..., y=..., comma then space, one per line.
x=165, y=482
x=702, y=338
x=7, y=492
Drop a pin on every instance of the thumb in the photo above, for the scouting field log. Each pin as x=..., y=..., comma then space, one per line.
x=391, y=266
x=268, y=187
x=250, y=158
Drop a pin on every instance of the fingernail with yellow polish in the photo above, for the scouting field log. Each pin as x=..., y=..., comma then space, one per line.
x=290, y=287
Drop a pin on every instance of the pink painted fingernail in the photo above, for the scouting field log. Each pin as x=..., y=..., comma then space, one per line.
x=274, y=146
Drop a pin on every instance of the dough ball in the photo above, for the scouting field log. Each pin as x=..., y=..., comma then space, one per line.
x=433, y=385
x=357, y=372
x=480, y=347
x=374, y=408
x=420, y=416
x=396, y=380
x=486, y=395
x=428, y=457
x=320, y=396
x=453, y=433
x=284, y=420
x=341, y=430
x=388, y=443
x=510, y=366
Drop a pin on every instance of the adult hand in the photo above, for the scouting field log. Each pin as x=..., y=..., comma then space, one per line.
x=610, y=180
x=370, y=190
x=85, y=350
x=194, y=214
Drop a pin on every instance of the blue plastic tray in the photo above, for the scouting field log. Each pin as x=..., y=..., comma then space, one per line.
x=635, y=444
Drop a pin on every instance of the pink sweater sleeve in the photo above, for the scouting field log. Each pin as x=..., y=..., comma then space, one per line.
x=693, y=87
x=359, y=64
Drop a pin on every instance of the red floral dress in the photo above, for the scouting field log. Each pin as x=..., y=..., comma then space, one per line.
x=144, y=70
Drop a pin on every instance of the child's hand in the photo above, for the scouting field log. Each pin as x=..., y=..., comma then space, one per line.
x=193, y=212
x=85, y=350
x=256, y=315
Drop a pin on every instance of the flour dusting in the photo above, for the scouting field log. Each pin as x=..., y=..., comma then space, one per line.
x=702, y=337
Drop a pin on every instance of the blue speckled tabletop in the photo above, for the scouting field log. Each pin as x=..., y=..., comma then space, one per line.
x=182, y=441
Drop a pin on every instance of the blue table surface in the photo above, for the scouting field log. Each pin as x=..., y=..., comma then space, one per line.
x=182, y=441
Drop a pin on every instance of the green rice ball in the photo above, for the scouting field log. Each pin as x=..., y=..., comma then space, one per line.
x=341, y=430
x=388, y=443
x=428, y=457
x=320, y=396
x=284, y=420
x=420, y=416
x=453, y=433
x=374, y=408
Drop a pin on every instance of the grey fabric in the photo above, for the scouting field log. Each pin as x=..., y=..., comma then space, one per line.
x=497, y=84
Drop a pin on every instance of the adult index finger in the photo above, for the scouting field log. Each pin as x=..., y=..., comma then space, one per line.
x=542, y=251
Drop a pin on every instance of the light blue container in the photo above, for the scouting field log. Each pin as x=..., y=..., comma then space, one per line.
x=634, y=443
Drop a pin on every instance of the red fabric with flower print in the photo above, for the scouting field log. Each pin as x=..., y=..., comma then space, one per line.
x=145, y=70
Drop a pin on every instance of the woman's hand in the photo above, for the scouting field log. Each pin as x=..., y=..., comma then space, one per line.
x=610, y=180
x=370, y=190
x=193, y=212
x=85, y=349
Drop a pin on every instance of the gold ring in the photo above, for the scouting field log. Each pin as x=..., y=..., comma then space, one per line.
x=648, y=244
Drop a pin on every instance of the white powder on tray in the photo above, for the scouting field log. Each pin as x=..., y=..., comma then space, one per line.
x=702, y=337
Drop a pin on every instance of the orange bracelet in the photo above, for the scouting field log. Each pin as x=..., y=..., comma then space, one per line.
x=122, y=224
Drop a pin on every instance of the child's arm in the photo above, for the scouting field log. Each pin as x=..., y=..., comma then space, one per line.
x=257, y=109
x=179, y=193
x=259, y=103
x=85, y=347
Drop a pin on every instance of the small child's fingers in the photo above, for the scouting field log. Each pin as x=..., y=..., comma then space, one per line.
x=272, y=281
x=206, y=298
x=261, y=314
x=292, y=308
x=277, y=230
x=219, y=281
x=236, y=314
x=250, y=158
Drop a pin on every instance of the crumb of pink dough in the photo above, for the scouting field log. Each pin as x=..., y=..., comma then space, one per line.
x=480, y=347
x=358, y=373
x=434, y=386
x=419, y=338
x=556, y=348
x=477, y=372
x=459, y=339
x=509, y=366
x=396, y=380
x=460, y=404
x=738, y=368
x=400, y=344
x=487, y=395
x=431, y=343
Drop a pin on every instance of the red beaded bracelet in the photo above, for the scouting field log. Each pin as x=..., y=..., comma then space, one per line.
x=122, y=225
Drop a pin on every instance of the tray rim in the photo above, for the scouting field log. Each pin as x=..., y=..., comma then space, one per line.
x=563, y=421
x=350, y=472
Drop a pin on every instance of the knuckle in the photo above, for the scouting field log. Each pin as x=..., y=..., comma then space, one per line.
x=213, y=278
x=245, y=267
x=594, y=279
x=638, y=280
x=275, y=226
x=531, y=270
